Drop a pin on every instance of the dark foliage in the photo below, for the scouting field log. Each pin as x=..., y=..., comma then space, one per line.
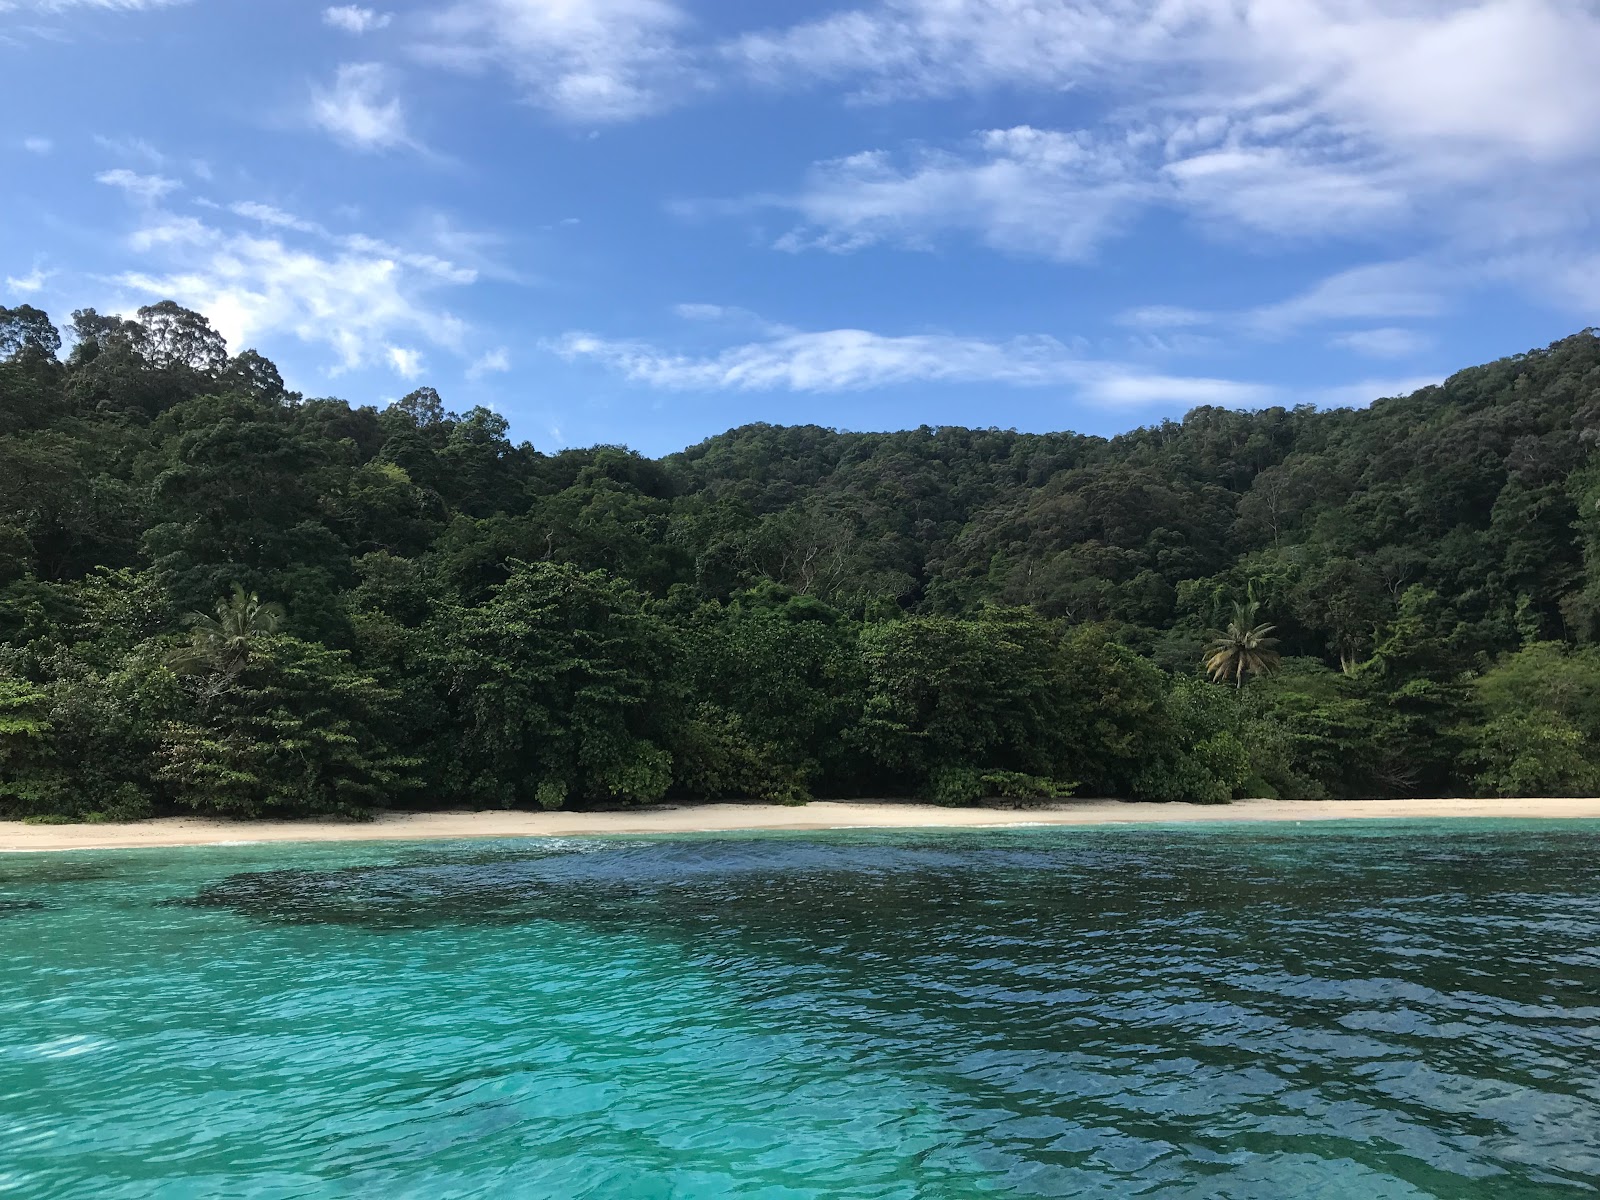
x=776, y=612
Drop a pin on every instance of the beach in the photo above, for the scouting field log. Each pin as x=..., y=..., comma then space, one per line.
x=730, y=818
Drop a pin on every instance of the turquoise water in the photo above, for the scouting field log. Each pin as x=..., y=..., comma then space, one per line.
x=1297, y=1011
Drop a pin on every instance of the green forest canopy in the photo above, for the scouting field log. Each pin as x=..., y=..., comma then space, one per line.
x=404, y=607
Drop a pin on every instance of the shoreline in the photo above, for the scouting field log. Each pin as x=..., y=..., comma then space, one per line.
x=160, y=832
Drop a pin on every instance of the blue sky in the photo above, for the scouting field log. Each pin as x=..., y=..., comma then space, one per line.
x=646, y=221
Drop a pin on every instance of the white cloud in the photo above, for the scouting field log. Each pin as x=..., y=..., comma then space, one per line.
x=405, y=362
x=1060, y=195
x=276, y=217
x=923, y=47
x=56, y=6
x=1388, y=342
x=364, y=299
x=1469, y=125
x=831, y=361
x=729, y=316
x=497, y=360
x=584, y=60
x=1410, y=289
x=26, y=285
x=1126, y=387
x=843, y=360
x=360, y=109
x=1163, y=316
x=1287, y=191
x=453, y=241
x=38, y=145
x=1513, y=74
x=702, y=312
x=1359, y=395
x=1377, y=291
x=1023, y=189
x=353, y=19
x=148, y=188
x=133, y=148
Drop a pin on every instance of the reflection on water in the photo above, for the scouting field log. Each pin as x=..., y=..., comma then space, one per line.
x=1397, y=1011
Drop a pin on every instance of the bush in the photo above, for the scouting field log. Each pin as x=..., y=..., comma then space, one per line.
x=1200, y=759
x=1533, y=754
x=716, y=757
x=954, y=786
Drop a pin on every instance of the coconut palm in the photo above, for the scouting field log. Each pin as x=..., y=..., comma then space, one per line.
x=1243, y=648
x=222, y=643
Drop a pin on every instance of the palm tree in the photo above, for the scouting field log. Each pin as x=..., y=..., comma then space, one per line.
x=222, y=643
x=1242, y=648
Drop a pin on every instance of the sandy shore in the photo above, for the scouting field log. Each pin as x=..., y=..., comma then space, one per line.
x=196, y=831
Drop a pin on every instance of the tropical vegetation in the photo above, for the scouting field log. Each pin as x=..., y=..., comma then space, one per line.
x=219, y=595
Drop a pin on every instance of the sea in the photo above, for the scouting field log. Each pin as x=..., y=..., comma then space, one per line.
x=1364, y=1010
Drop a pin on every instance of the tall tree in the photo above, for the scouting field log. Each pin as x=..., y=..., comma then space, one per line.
x=222, y=643
x=1245, y=647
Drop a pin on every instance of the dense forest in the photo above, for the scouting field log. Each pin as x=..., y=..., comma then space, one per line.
x=217, y=595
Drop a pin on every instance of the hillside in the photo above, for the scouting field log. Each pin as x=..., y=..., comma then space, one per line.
x=777, y=611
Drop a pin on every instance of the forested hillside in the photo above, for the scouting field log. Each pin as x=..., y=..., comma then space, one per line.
x=218, y=595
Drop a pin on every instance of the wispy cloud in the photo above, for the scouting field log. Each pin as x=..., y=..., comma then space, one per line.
x=148, y=188
x=1507, y=73
x=596, y=61
x=704, y=312
x=369, y=302
x=1375, y=291
x=855, y=360
x=846, y=360
x=361, y=109
x=730, y=317
x=1385, y=342
x=267, y=214
x=26, y=285
x=1406, y=290
x=1471, y=126
x=354, y=19
x=405, y=362
x=1028, y=190
x=1364, y=392
x=59, y=6
x=446, y=237
x=132, y=149
x=38, y=145
x=493, y=362
x=1152, y=317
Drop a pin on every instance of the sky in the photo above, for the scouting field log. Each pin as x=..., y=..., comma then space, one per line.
x=647, y=221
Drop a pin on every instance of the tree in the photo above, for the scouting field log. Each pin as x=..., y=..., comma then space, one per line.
x=777, y=611
x=424, y=406
x=25, y=331
x=555, y=692
x=294, y=730
x=1192, y=752
x=780, y=680
x=1533, y=754
x=249, y=372
x=945, y=694
x=173, y=336
x=1243, y=648
x=81, y=739
x=92, y=334
x=222, y=644
x=24, y=734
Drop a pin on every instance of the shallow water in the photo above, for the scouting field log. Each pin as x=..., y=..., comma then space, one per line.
x=1372, y=1011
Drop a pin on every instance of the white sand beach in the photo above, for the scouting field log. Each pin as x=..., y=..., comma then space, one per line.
x=699, y=818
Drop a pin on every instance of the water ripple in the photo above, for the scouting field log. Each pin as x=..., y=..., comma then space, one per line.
x=1254, y=1015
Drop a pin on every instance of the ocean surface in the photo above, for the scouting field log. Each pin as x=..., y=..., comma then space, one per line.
x=1370, y=1011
